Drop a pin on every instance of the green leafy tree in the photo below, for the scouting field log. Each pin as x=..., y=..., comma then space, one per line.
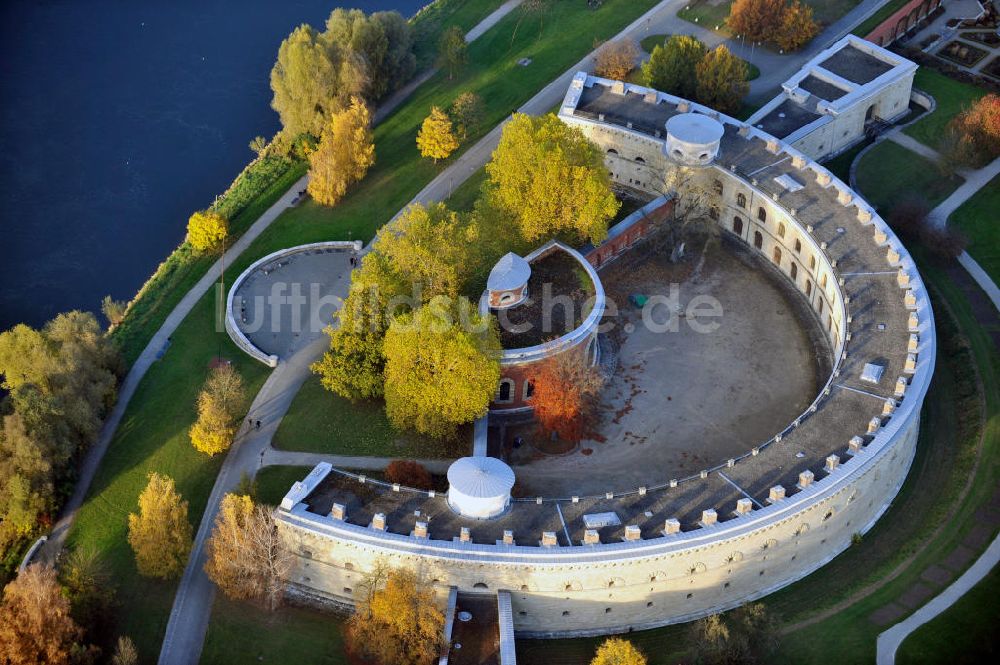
x=748, y=634
x=160, y=533
x=345, y=153
x=381, y=45
x=453, y=51
x=436, y=138
x=722, y=80
x=550, y=180
x=207, y=230
x=467, y=113
x=305, y=81
x=441, y=367
x=618, y=651
x=671, y=67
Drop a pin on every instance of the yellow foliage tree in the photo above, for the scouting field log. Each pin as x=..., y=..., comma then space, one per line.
x=616, y=59
x=722, y=80
x=398, y=621
x=345, y=152
x=436, y=138
x=207, y=230
x=616, y=651
x=441, y=367
x=797, y=27
x=36, y=626
x=551, y=180
x=160, y=534
x=218, y=407
x=245, y=556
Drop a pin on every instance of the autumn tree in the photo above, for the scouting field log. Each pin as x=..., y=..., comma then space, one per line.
x=722, y=80
x=745, y=635
x=616, y=59
x=618, y=651
x=757, y=20
x=345, y=152
x=436, y=138
x=305, y=81
x=409, y=474
x=219, y=405
x=207, y=230
x=453, y=51
x=398, y=622
x=90, y=588
x=797, y=26
x=441, y=367
x=972, y=138
x=380, y=44
x=258, y=145
x=467, y=114
x=672, y=66
x=36, y=627
x=113, y=310
x=160, y=533
x=245, y=556
x=60, y=382
x=125, y=652
x=567, y=395
x=550, y=180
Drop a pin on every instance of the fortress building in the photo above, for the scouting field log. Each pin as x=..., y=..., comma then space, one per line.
x=636, y=557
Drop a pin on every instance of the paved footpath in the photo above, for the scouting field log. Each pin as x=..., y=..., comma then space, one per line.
x=889, y=641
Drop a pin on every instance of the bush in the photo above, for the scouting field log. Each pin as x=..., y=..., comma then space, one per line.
x=616, y=59
x=409, y=474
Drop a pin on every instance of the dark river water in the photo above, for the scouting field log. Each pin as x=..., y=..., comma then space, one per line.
x=118, y=118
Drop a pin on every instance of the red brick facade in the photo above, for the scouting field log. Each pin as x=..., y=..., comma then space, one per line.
x=901, y=21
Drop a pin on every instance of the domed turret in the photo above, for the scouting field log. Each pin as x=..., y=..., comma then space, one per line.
x=508, y=282
x=479, y=487
x=693, y=139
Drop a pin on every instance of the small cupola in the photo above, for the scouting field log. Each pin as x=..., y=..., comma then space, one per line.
x=507, y=284
x=693, y=139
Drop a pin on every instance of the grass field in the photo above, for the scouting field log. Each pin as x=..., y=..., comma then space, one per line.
x=951, y=96
x=153, y=437
x=971, y=621
x=321, y=422
x=979, y=219
x=889, y=173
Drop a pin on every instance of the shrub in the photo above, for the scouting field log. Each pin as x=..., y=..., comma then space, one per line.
x=409, y=474
x=616, y=59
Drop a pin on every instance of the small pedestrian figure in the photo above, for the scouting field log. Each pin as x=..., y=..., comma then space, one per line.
x=262, y=458
x=258, y=424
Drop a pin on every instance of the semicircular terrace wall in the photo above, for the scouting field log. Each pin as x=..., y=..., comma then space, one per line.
x=692, y=546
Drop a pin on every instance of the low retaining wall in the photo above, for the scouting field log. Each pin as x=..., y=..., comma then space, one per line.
x=235, y=334
x=902, y=21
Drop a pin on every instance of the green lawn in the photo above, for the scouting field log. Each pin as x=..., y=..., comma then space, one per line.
x=971, y=621
x=652, y=41
x=273, y=482
x=242, y=633
x=319, y=421
x=889, y=173
x=840, y=165
x=153, y=437
x=979, y=219
x=951, y=96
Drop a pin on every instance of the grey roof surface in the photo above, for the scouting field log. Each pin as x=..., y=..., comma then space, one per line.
x=481, y=477
x=510, y=272
x=855, y=65
x=822, y=89
x=786, y=118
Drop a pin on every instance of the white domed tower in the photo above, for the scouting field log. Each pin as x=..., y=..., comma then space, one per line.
x=479, y=487
x=693, y=139
x=507, y=284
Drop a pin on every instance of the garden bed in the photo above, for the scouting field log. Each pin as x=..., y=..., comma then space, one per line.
x=961, y=53
x=992, y=68
x=987, y=37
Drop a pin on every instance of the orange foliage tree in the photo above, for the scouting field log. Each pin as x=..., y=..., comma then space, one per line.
x=797, y=27
x=566, y=397
x=409, y=473
x=973, y=136
x=757, y=20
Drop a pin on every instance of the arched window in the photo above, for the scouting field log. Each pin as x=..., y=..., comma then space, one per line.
x=822, y=281
x=812, y=262
x=480, y=585
x=798, y=245
x=781, y=228
x=809, y=288
x=529, y=389
x=758, y=240
x=505, y=391
x=776, y=256
x=717, y=186
x=761, y=214
x=612, y=151
x=737, y=226
x=713, y=212
x=640, y=160
x=795, y=270
x=741, y=200
x=820, y=301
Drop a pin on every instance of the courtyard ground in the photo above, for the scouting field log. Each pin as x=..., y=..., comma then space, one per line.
x=686, y=399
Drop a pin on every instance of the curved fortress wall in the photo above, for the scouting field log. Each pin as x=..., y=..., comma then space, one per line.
x=691, y=546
